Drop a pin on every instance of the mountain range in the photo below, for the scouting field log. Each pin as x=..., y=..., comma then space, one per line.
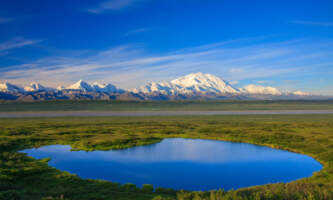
x=192, y=86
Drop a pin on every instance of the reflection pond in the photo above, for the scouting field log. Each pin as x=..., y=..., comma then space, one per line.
x=190, y=164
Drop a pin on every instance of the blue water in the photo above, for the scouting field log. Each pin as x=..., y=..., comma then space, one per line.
x=190, y=164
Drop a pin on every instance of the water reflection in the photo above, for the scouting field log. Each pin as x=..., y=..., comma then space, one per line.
x=191, y=164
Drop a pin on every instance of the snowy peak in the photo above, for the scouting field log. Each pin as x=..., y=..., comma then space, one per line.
x=104, y=87
x=8, y=87
x=36, y=87
x=204, y=83
x=163, y=88
x=266, y=90
x=95, y=87
x=259, y=89
x=81, y=85
x=189, y=84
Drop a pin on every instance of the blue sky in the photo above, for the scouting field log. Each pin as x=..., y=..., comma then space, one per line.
x=284, y=44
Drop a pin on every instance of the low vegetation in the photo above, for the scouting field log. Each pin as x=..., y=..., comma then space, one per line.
x=22, y=177
x=103, y=105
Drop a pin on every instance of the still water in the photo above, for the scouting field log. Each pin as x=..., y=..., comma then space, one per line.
x=190, y=164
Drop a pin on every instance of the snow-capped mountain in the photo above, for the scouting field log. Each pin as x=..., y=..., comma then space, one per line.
x=36, y=87
x=95, y=87
x=259, y=89
x=195, y=86
x=8, y=87
x=164, y=88
x=266, y=90
x=104, y=87
x=81, y=86
x=190, y=84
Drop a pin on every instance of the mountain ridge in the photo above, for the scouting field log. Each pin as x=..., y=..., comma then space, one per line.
x=191, y=86
x=191, y=83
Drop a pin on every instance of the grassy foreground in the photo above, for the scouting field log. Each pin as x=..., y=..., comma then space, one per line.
x=100, y=105
x=23, y=177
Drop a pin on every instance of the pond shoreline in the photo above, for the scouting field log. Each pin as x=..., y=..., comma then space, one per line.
x=241, y=158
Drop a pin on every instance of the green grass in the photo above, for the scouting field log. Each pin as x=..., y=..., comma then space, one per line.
x=23, y=177
x=68, y=105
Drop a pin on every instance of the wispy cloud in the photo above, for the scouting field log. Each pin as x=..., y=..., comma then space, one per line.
x=111, y=5
x=265, y=82
x=16, y=43
x=130, y=65
x=136, y=31
x=5, y=20
x=235, y=70
x=313, y=23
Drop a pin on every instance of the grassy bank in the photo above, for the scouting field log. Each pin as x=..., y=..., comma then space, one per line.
x=23, y=177
x=163, y=105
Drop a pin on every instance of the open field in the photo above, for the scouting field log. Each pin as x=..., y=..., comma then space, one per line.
x=23, y=177
x=156, y=113
x=163, y=106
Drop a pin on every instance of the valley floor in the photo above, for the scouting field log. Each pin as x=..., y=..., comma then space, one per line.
x=156, y=113
x=148, y=106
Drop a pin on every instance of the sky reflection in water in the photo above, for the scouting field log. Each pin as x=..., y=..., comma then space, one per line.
x=190, y=164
